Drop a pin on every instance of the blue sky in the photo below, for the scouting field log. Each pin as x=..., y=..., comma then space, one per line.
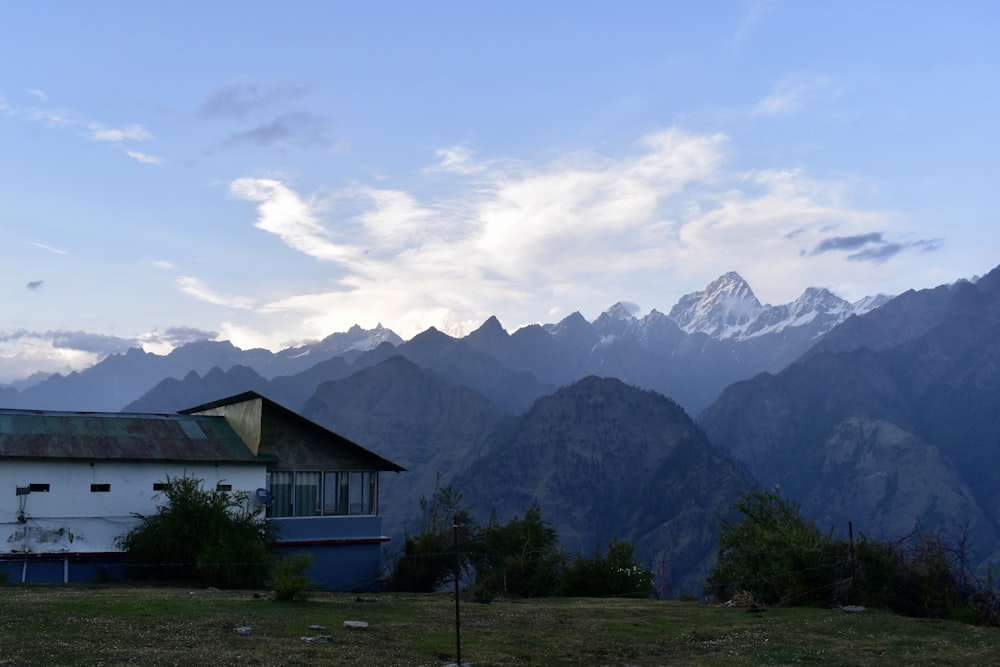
x=273, y=173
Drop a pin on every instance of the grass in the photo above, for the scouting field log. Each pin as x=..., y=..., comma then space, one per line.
x=122, y=625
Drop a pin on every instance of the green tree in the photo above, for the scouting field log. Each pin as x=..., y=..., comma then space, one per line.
x=773, y=553
x=520, y=558
x=428, y=558
x=211, y=536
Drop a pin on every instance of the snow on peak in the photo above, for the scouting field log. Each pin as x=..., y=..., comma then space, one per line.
x=721, y=310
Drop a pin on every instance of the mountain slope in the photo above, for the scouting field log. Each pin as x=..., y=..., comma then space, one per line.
x=605, y=460
x=414, y=418
x=890, y=420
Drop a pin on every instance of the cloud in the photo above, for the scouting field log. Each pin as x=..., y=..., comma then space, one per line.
x=792, y=94
x=143, y=157
x=457, y=160
x=52, y=249
x=98, y=344
x=133, y=133
x=299, y=129
x=163, y=264
x=194, y=287
x=177, y=336
x=294, y=220
x=241, y=99
x=872, y=247
x=848, y=242
x=40, y=94
x=877, y=254
x=528, y=239
x=35, y=284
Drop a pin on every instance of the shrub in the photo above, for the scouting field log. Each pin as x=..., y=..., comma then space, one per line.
x=288, y=579
x=613, y=573
x=214, y=537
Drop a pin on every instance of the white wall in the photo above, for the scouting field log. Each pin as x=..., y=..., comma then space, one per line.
x=69, y=518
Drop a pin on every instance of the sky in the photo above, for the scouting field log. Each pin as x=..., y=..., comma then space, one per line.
x=272, y=173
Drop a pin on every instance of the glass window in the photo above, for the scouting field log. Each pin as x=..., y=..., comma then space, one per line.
x=281, y=494
x=307, y=497
x=326, y=493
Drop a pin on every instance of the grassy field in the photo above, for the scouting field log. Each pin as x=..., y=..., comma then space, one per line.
x=119, y=625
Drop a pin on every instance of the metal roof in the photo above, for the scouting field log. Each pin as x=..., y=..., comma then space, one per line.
x=45, y=434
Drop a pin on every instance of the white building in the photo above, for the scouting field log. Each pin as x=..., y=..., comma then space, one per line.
x=71, y=483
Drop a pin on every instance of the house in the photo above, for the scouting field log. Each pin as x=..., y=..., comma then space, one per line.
x=323, y=488
x=72, y=482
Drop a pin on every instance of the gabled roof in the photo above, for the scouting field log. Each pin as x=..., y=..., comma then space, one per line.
x=47, y=434
x=272, y=412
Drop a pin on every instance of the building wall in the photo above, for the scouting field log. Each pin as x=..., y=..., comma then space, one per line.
x=346, y=550
x=70, y=518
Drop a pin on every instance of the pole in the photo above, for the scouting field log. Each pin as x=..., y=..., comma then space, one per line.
x=458, y=617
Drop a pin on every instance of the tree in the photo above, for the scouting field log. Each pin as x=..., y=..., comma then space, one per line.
x=428, y=558
x=773, y=553
x=520, y=558
x=215, y=537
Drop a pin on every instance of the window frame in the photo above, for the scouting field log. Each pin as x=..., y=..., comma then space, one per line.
x=337, y=493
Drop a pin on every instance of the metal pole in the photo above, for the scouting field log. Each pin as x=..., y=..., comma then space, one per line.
x=458, y=617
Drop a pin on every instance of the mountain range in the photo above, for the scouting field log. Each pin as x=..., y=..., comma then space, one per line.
x=881, y=412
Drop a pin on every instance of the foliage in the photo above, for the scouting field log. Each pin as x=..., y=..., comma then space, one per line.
x=211, y=536
x=613, y=573
x=288, y=580
x=774, y=553
x=918, y=575
x=520, y=558
x=428, y=558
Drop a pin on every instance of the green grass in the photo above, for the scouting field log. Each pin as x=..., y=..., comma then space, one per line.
x=121, y=625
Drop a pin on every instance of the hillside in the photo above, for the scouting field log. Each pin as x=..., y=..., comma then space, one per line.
x=892, y=420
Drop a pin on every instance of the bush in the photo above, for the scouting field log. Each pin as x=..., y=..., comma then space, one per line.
x=288, y=580
x=214, y=537
x=614, y=573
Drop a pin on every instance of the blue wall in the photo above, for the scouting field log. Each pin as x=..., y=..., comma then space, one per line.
x=346, y=550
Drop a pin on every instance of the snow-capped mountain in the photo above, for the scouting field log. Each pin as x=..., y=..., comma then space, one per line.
x=728, y=309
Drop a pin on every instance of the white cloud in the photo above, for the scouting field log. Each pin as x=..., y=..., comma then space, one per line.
x=40, y=94
x=143, y=157
x=283, y=212
x=582, y=232
x=163, y=264
x=98, y=132
x=194, y=287
x=457, y=160
x=793, y=93
x=43, y=246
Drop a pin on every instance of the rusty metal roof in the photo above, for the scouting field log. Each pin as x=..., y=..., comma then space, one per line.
x=45, y=434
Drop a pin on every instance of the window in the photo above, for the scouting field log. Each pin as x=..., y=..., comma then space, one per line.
x=159, y=486
x=100, y=488
x=327, y=493
x=224, y=487
x=38, y=488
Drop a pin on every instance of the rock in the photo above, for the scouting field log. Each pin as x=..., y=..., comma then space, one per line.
x=355, y=625
x=854, y=609
x=243, y=630
x=317, y=627
x=317, y=639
